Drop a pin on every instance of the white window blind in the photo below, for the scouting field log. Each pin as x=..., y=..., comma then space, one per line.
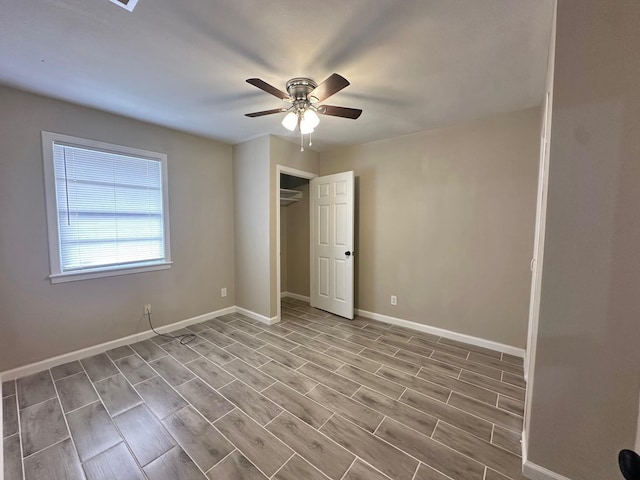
x=110, y=209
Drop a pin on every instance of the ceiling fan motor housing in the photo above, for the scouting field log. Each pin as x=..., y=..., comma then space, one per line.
x=299, y=88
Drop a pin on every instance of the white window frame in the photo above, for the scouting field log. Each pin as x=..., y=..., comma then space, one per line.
x=57, y=275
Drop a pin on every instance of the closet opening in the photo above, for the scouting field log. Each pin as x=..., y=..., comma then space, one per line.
x=293, y=235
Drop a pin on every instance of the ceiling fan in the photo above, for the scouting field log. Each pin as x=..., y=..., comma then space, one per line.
x=305, y=95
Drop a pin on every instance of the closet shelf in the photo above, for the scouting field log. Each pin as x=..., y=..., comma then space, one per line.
x=287, y=197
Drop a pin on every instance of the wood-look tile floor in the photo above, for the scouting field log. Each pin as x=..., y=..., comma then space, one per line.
x=313, y=397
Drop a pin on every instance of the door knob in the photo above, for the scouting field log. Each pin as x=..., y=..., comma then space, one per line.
x=347, y=253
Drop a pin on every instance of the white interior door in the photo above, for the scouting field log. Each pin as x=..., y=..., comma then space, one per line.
x=332, y=260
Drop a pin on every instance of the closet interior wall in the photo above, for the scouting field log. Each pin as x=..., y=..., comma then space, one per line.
x=295, y=240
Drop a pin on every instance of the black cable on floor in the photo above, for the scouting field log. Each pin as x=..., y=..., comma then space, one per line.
x=184, y=339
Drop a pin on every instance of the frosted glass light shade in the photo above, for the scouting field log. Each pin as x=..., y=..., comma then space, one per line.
x=305, y=127
x=308, y=122
x=290, y=121
x=311, y=118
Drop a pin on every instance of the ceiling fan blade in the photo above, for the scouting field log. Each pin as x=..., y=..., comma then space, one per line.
x=344, y=112
x=262, y=85
x=265, y=112
x=331, y=85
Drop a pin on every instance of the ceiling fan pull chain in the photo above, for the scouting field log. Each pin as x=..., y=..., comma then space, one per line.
x=310, y=140
x=301, y=142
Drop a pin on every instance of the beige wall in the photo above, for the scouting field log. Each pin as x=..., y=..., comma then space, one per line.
x=39, y=320
x=585, y=394
x=287, y=154
x=251, y=170
x=445, y=221
x=298, y=244
x=256, y=203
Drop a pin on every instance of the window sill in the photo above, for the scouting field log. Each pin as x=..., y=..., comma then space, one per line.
x=106, y=272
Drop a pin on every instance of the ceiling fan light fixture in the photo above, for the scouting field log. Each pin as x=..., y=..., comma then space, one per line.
x=305, y=95
x=305, y=127
x=290, y=121
x=311, y=118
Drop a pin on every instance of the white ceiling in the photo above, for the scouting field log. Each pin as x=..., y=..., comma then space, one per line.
x=413, y=64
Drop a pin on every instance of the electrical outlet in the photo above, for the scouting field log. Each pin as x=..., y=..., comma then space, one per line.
x=147, y=308
x=394, y=300
x=223, y=292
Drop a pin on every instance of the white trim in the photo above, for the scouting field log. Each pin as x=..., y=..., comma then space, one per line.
x=57, y=275
x=130, y=5
x=461, y=337
x=106, y=272
x=536, y=472
x=539, y=239
x=257, y=316
x=297, y=296
x=103, y=347
x=294, y=172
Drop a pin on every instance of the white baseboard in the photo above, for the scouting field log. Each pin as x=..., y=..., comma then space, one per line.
x=103, y=347
x=441, y=332
x=536, y=472
x=138, y=337
x=257, y=316
x=297, y=296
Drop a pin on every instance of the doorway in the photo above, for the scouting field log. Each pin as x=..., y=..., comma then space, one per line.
x=292, y=235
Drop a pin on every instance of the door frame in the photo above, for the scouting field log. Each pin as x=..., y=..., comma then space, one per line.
x=294, y=172
x=536, y=271
x=537, y=261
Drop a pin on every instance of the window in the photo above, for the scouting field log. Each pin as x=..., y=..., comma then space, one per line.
x=107, y=208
